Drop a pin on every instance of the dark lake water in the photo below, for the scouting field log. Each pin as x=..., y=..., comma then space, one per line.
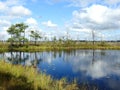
x=100, y=68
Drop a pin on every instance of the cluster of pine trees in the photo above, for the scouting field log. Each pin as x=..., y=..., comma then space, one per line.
x=18, y=35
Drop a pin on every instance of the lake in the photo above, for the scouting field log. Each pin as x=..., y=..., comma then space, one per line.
x=99, y=68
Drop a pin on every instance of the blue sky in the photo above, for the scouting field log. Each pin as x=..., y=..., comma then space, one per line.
x=58, y=17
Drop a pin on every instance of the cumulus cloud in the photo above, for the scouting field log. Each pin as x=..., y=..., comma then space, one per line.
x=10, y=11
x=31, y=21
x=33, y=25
x=19, y=11
x=96, y=17
x=49, y=24
x=4, y=25
x=13, y=8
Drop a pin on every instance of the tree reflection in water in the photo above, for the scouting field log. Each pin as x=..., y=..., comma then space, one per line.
x=23, y=58
x=17, y=58
x=91, y=66
x=36, y=61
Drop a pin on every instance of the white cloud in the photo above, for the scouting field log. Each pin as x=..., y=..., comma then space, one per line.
x=2, y=6
x=31, y=21
x=4, y=23
x=33, y=25
x=10, y=11
x=49, y=24
x=13, y=9
x=4, y=35
x=19, y=11
x=7, y=4
x=96, y=17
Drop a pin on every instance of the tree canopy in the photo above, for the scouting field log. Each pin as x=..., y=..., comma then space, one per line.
x=17, y=32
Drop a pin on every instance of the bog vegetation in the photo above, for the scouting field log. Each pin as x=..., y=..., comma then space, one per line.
x=36, y=41
x=17, y=77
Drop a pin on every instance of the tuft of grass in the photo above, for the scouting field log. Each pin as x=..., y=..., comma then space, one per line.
x=18, y=77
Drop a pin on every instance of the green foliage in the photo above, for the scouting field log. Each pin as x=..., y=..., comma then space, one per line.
x=16, y=32
x=11, y=39
x=35, y=35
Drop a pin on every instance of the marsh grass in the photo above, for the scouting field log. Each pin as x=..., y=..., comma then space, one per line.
x=18, y=77
x=47, y=46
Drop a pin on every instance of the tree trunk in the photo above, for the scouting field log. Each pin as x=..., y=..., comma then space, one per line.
x=93, y=37
x=24, y=38
x=35, y=42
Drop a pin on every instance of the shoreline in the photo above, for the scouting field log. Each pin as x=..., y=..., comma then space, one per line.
x=18, y=77
x=51, y=46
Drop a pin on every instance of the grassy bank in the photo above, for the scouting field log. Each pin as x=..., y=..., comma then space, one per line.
x=17, y=77
x=46, y=46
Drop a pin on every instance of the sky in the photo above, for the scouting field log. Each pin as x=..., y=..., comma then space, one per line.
x=75, y=18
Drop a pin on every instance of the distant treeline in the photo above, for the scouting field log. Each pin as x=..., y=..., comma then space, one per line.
x=72, y=40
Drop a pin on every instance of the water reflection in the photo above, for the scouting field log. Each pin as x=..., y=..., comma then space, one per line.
x=91, y=66
x=29, y=59
x=98, y=64
x=95, y=63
